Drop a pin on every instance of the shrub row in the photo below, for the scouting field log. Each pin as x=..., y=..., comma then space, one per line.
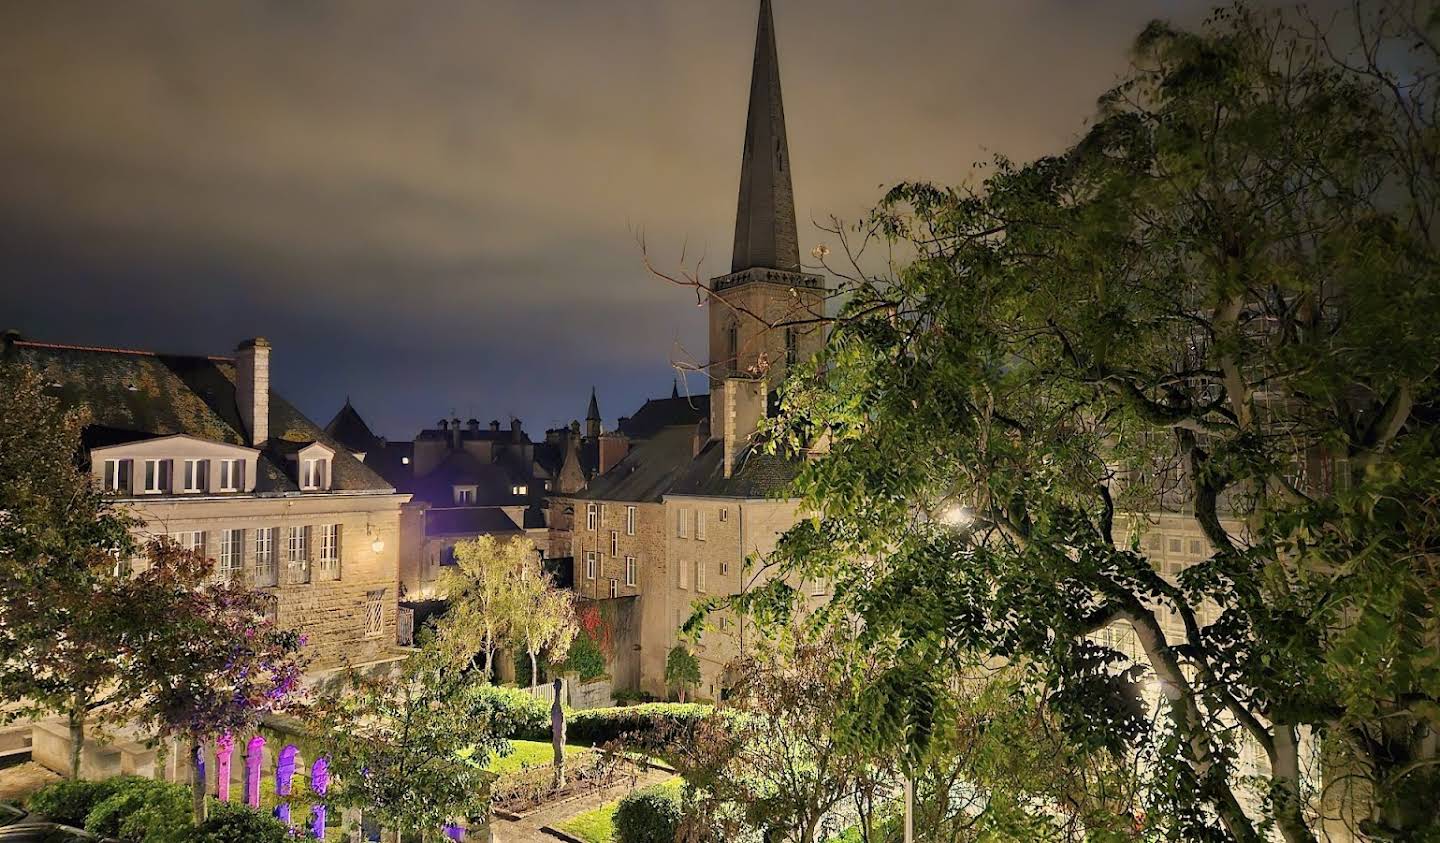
x=130, y=808
x=515, y=713
x=651, y=721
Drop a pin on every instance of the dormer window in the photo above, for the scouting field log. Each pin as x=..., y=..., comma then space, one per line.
x=116, y=477
x=465, y=495
x=157, y=477
x=520, y=491
x=232, y=475
x=313, y=474
x=195, y=476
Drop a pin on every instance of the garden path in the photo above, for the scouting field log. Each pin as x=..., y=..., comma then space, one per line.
x=528, y=829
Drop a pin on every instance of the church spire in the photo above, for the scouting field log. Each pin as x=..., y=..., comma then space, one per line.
x=592, y=417
x=765, y=233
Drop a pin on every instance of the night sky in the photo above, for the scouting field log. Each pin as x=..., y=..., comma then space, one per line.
x=433, y=207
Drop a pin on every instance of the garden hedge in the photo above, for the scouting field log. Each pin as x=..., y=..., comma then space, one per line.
x=596, y=726
x=514, y=713
x=649, y=815
x=70, y=801
x=230, y=822
x=142, y=809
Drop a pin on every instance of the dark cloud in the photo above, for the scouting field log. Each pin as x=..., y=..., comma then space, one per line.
x=435, y=206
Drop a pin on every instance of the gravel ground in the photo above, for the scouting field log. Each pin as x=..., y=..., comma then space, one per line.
x=20, y=781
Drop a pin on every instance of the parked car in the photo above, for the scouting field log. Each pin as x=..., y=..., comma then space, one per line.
x=19, y=826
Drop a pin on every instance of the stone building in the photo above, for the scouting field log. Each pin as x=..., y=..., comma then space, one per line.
x=205, y=452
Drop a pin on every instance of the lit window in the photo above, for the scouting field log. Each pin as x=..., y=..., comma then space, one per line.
x=548, y=485
x=232, y=552
x=700, y=575
x=266, y=571
x=313, y=474
x=117, y=475
x=699, y=525
x=330, y=551
x=630, y=570
x=232, y=475
x=591, y=516
x=614, y=543
x=157, y=476
x=629, y=520
x=464, y=496
x=404, y=460
x=519, y=491
x=589, y=564
x=195, y=476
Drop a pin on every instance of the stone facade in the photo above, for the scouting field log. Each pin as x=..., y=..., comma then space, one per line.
x=603, y=533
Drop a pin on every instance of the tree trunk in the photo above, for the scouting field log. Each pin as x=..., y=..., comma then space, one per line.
x=197, y=768
x=76, y=720
x=1285, y=777
x=486, y=673
x=534, y=671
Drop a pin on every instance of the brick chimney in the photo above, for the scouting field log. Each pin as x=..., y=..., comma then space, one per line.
x=743, y=406
x=515, y=432
x=455, y=432
x=613, y=448
x=252, y=388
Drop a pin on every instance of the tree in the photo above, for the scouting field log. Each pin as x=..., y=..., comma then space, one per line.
x=484, y=594
x=682, y=669
x=544, y=619
x=62, y=549
x=413, y=747
x=212, y=662
x=1219, y=306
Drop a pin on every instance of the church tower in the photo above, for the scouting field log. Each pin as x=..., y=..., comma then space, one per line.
x=763, y=313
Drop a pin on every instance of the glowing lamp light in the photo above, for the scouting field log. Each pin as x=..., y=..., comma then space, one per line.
x=956, y=515
x=378, y=544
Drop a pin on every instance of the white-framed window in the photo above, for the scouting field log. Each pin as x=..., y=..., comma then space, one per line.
x=700, y=575
x=330, y=551
x=589, y=564
x=464, y=495
x=232, y=555
x=724, y=567
x=266, y=568
x=630, y=570
x=192, y=540
x=683, y=574
x=682, y=523
x=157, y=477
x=194, y=476
x=614, y=543
x=592, y=516
x=519, y=491
x=549, y=485
x=614, y=587
x=629, y=520
x=374, y=613
x=313, y=474
x=817, y=588
x=116, y=475
x=724, y=514
x=298, y=553
x=232, y=475
x=699, y=525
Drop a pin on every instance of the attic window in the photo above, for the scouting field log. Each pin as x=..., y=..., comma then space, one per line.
x=519, y=490
x=465, y=495
x=314, y=474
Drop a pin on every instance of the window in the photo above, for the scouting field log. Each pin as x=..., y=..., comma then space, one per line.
x=157, y=476
x=700, y=575
x=1174, y=545
x=614, y=543
x=313, y=474
x=629, y=520
x=232, y=552
x=266, y=571
x=630, y=570
x=117, y=475
x=732, y=348
x=374, y=613
x=195, y=476
x=724, y=514
x=699, y=525
x=465, y=495
x=299, y=556
x=192, y=540
x=1196, y=549
x=519, y=491
x=589, y=564
x=682, y=523
x=330, y=551
x=404, y=460
x=614, y=588
x=591, y=516
x=792, y=347
x=724, y=567
x=684, y=574
x=548, y=485
x=232, y=475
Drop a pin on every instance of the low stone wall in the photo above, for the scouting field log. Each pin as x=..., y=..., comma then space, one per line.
x=596, y=693
x=101, y=759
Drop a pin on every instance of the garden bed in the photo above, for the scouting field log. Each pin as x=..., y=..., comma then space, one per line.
x=598, y=825
x=528, y=788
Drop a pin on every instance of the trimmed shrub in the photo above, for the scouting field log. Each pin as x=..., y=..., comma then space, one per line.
x=515, y=713
x=166, y=816
x=649, y=815
x=672, y=721
x=232, y=823
x=71, y=801
x=107, y=818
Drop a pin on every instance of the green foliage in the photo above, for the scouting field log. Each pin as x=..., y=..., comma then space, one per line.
x=633, y=723
x=682, y=669
x=70, y=801
x=649, y=815
x=147, y=801
x=585, y=657
x=230, y=822
x=511, y=712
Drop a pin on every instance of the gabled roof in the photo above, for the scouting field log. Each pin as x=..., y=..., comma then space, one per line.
x=658, y=413
x=351, y=431
x=647, y=472
x=755, y=474
x=141, y=394
x=468, y=521
x=492, y=482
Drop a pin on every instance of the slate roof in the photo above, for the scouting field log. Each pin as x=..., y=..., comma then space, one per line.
x=468, y=521
x=658, y=413
x=755, y=475
x=350, y=430
x=492, y=482
x=647, y=472
x=133, y=395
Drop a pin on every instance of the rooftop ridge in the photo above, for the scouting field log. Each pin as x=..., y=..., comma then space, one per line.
x=105, y=349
